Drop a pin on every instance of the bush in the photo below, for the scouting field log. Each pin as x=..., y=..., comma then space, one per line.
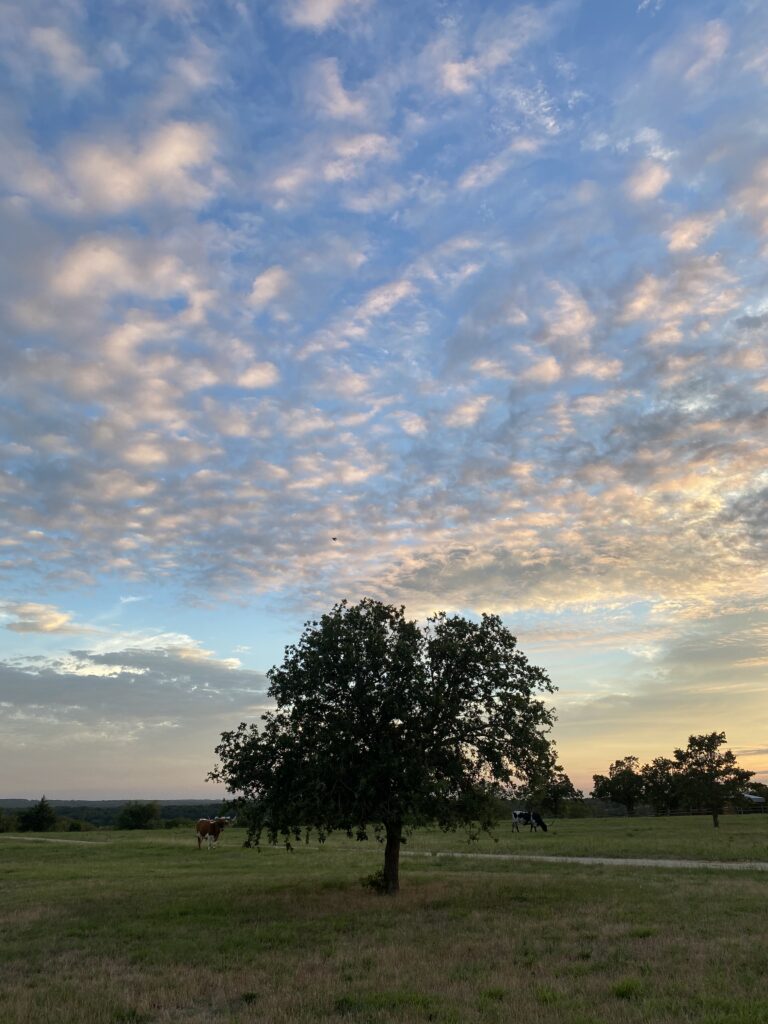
x=76, y=825
x=139, y=815
x=376, y=882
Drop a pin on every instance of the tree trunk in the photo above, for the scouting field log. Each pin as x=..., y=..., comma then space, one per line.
x=392, y=858
x=715, y=819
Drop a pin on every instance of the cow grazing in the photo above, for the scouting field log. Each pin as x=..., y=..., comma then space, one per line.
x=210, y=830
x=532, y=818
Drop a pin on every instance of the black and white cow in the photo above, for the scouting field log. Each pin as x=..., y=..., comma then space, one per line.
x=532, y=818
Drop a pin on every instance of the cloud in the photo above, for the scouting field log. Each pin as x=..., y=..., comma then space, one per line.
x=39, y=618
x=700, y=287
x=693, y=54
x=170, y=165
x=259, y=375
x=412, y=423
x=111, y=704
x=351, y=154
x=458, y=76
x=647, y=181
x=688, y=233
x=571, y=320
x=467, y=413
x=173, y=165
x=317, y=15
x=327, y=95
x=499, y=313
x=268, y=285
x=495, y=44
x=107, y=265
x=543, y=371
x=337, y=161
x=600, y=369
x=481, y=175
x=752, y=200
x=378, y=199
x=383, y=299
x=751, y=323
x=711, y=43
x=66, y=59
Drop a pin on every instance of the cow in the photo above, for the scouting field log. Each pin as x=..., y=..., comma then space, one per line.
x=532, y=818
x=210, y=830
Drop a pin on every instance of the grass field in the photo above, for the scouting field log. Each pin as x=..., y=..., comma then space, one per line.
x=740, y=837
x=141, y=927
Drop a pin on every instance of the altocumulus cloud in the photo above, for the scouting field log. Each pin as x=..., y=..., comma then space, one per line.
x=481, y=302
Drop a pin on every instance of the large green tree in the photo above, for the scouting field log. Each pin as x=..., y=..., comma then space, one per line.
x=662, y=785
x=382, y=724
x=710, y=777
x=623, y=784
x=41, y=817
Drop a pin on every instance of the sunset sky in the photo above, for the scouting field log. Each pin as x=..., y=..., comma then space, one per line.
x=478, y=288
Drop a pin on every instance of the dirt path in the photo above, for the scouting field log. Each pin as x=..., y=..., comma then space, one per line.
x=45, y=839
x=613, y=862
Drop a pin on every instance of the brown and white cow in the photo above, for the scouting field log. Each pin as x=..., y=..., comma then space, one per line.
x=210, y=830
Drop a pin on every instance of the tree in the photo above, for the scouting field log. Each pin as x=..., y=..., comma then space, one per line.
x=8, y=821
x=661, y=785
x=135, y=815
x=622, y=785
x=758, y=789
x=41, y=817
x=549, y=790
x=381, y=724
x=710, y=777
x=558, y=791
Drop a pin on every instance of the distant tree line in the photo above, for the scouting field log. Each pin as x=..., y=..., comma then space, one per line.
x=37, y=817
x=61, y=816
x=699, y=777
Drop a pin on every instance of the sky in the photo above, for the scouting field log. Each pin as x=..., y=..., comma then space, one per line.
x=478, y=289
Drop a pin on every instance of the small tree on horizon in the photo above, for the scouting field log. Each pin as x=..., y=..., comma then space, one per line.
x=710, y=777
x=383, y=725
x=41, y=817
x=622, y=785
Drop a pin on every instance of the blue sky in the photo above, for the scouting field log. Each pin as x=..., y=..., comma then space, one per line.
x=479, y=289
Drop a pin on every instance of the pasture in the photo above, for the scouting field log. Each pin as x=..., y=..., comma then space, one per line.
x=142, y=927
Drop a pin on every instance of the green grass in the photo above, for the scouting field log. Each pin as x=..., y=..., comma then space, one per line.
x=739, y=837
x=141, y=927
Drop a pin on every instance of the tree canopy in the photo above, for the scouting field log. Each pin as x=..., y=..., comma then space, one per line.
x=622, y=785
x=661, y=785
x=710, y=777
x=41, y=817
x=700, y=776
x=380, y=723
x=549, y=789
